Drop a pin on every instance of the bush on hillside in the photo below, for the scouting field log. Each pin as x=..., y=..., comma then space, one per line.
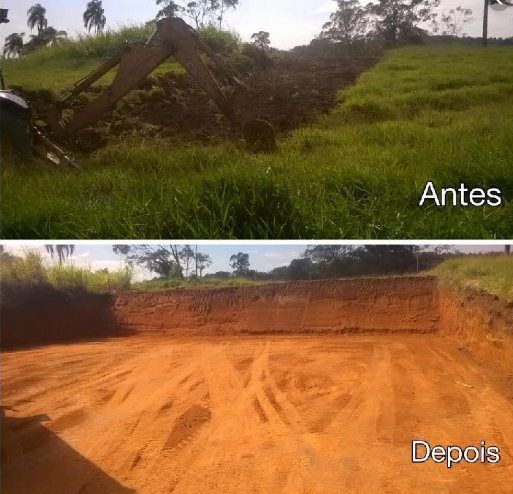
x=260, y=56
x=220, y=41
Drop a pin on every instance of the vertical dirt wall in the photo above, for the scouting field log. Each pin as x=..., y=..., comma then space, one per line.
x=480, y=324
x=385, y=305
x=44, y=315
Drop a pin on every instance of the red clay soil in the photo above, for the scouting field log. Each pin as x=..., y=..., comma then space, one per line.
x=233, y=415
x=376, y=305
x=44, y=315
x=221, y=413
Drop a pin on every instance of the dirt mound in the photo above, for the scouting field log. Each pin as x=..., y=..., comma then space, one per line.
x=289, y=95
x=173, y=108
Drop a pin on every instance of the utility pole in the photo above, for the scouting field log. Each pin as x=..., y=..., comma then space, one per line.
x=196, y=258
x=485, y=24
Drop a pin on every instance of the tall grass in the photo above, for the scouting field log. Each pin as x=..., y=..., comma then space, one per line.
x=93, y=46
x=58, y=66
x=109, y=42
x=493, y=274
x=423, y=114
x=32, y=270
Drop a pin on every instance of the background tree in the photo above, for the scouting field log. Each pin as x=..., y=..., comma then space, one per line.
x=13, y=45
x=348, y=24
x=62, y=252
x=262, y=40
x=37, y=18
x=94, y=16
x=451, y=23
x=240, y=264
x=203, y=261
x=400, y=20
x=47, y=37
x=167, y=261
x=202, y=12
x=169, y=8
x=225, y=6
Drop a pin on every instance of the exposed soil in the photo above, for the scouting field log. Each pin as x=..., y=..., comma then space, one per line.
x=194, y=404
x=173, y=107
x=42, y=315
x=319, y=415
x=289, y=95
x=377, y=305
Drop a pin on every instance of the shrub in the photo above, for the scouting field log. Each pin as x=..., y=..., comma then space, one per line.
x=31, y=270
x=220, y=41
x=261, y=57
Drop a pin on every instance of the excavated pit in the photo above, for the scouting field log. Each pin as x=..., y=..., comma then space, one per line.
x=293, y=387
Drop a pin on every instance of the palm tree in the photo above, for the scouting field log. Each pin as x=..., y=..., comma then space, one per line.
x=51, y=36
x=94, y=16
x=13, y=44
x=37, y=17
x=62, y=251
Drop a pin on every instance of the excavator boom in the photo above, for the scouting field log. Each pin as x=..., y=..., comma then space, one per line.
x=174, y=38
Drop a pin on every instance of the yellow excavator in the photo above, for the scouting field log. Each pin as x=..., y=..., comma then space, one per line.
x=173, y=37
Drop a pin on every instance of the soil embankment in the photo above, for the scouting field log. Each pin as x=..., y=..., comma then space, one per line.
x=479, y=324
x=43, y=315
x=378, y=305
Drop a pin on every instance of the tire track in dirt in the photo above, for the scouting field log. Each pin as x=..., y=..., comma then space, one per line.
x=183, y=416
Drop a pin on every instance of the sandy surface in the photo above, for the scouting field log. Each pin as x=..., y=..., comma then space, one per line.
x=291, y=415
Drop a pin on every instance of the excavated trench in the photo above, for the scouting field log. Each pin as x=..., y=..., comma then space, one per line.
x=316, y=386
x=171, y=108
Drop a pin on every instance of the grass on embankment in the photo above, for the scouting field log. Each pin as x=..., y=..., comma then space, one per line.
x=424, y=113
x=493, y=274
x=29, y=270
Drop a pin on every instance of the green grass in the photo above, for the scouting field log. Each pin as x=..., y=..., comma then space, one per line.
x=493, y=274
x=31, y=270
x=59, y=75
x=424, y=113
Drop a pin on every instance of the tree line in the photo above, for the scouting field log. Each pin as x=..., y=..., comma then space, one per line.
x=93, y=17
x=390, y=23
x=186, y=262
x=202, y=13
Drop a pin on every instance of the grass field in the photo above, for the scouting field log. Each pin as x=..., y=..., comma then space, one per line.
x=493, y=274
x=59, y=74
x=424, y=113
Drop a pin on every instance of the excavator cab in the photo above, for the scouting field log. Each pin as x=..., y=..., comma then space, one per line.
x=14, y=115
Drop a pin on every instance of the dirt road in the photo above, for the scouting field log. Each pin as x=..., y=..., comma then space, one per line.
x=296, y=415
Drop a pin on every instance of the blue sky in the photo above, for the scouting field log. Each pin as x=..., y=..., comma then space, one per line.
x=290, y=22
x=263, y=257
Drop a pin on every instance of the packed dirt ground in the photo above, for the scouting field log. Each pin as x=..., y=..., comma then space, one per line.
x=305, y=414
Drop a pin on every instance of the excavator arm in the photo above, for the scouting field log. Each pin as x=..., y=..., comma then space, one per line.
x=174, y=38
